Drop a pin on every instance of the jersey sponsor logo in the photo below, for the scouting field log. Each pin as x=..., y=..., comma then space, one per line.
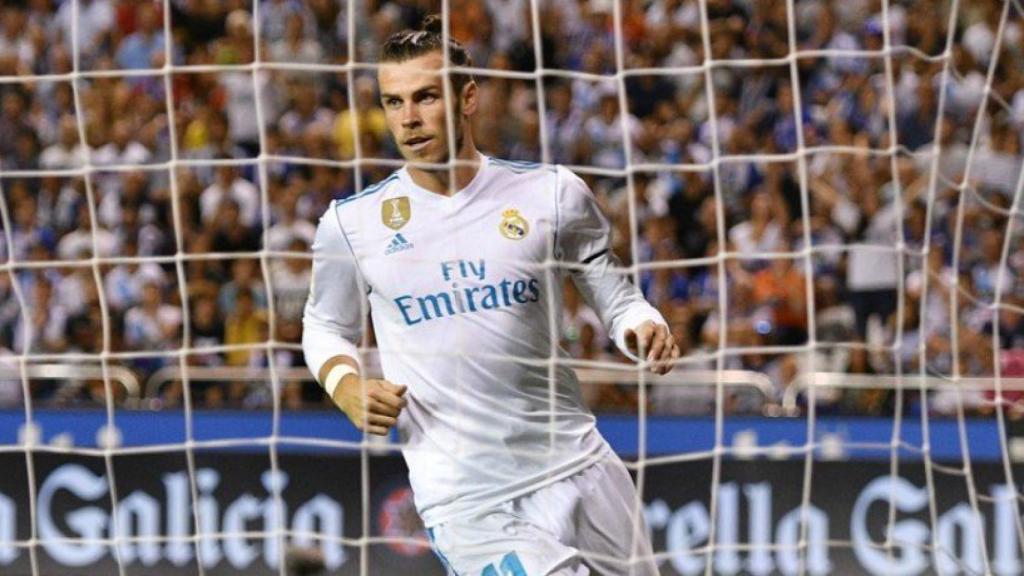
x=513, y=226
x=470, y=291
x=398, y=244
x=395, y=212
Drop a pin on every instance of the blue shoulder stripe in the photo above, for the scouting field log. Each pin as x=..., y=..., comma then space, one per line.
x=516, y=165
x=367, y=191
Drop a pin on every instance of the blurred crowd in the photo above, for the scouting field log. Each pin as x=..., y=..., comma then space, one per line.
x=814, y=176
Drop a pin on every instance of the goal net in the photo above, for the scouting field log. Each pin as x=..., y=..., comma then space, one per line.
x=821, y=197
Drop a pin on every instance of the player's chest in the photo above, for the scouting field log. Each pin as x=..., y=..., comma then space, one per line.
x=444, y=243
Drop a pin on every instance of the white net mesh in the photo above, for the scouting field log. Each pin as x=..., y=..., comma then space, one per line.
x=821, y=197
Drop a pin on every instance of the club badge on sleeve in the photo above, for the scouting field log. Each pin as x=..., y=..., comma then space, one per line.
x=513, y=226
x=395, y=212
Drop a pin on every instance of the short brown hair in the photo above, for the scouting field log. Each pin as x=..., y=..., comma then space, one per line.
x=409, y=44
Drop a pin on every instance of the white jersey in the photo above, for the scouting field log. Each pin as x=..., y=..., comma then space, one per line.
x=461, y=292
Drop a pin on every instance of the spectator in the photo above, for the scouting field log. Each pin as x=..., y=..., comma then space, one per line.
x=16, y=38
x=230, y=234
x=27, y=233
x=207, y=331
x=141, y=48
x=305, y=112
x=124, y=283
x=243, y=327
x=872, y=270
x=295, y=46
x=369, y=116
x=13, y=121
x=916, y=121
x=122, y=149
x=209, y=137
x=229, y=185
x=11, y=391
x=564, y=123
x=85, y=325
x=244, y=277
x=289, y=227
x=25, y=155
x=86, y=240
x=48, y=320
x=604, y=131
x=152, y=324
x=514, y=18
x=290, y=278
x=990, y=274
x=762, y=233
x=783, y=290
x=94, y=25
x=68, y=151
x=274, y=16
x=527, y=146
x=239, y=87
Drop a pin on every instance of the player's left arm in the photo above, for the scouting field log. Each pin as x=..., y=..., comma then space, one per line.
x=584, y=245
x=653, y=340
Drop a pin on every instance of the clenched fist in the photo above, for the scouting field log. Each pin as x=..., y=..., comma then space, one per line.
x=654, y=340
x=372, y=405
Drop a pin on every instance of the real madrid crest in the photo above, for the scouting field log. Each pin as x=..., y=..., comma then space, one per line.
x=395, y=212
x=513, y=226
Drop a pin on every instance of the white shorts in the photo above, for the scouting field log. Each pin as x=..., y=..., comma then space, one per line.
x=581, y=525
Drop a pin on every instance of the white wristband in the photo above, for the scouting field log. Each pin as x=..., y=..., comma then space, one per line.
x=334, y=378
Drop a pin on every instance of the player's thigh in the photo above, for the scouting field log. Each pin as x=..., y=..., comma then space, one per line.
x=611, y=534
x=502, y=544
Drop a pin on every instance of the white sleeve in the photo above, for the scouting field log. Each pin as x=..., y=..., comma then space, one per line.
x=584, y=243
x=333, y=318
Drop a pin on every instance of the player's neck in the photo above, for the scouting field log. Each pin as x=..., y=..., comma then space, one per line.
x=439, y=181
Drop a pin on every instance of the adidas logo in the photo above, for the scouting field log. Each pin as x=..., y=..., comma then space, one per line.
x=398, y=243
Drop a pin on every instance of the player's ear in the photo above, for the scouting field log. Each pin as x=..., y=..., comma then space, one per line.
x=469, y=98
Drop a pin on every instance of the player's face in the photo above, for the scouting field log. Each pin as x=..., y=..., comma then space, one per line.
x=412, y=94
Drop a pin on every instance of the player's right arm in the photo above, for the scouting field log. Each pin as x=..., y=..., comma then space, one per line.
x=332, y=325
